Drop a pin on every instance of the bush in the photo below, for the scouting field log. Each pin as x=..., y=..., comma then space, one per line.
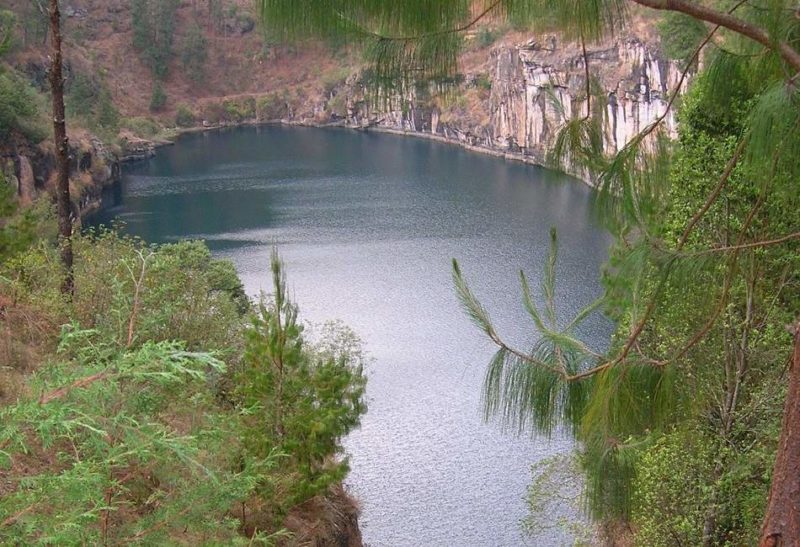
x=483, y=82
x=115, y=420
x=671, y=498
x=153, y=32
x=132, y=431
x=176, y=281
x=486, y=37
x=106, y=114
x=239, y=110
x=82, y=92
x=88, y=98
x=159, y=97
x=184, y=116
x=271, y=107
x=19, y=228
x=18, y=107
x=680, y=35
x=144, y=128
x=195, y=53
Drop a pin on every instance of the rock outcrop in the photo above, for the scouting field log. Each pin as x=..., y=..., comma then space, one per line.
x=527, y=93
x=30, y=169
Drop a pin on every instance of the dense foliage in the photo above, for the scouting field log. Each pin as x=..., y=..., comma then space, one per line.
x=19, y=226
x=147, y=418
x=194, y=53
x=299, y=402
x=19, y=107
x=89, y=98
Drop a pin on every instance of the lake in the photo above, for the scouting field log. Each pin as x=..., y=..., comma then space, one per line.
x=368, y=224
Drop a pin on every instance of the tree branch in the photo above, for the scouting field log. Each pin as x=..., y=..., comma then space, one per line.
x=81, y=382
x=751, y=245
x=726, y=20
x=685, y=72
x=714, y=195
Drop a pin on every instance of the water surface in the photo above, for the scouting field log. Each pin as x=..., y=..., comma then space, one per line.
x=367, y=225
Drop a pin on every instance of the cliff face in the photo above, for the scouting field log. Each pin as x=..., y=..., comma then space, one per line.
x=539, y=86
x=30, y=169
x=528, y=91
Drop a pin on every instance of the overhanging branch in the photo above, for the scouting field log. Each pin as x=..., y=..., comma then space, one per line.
x=726, y=20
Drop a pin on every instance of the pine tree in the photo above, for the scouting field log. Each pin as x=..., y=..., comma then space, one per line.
x=300, y=402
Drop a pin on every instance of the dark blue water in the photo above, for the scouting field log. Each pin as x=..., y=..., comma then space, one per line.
x=368, y=224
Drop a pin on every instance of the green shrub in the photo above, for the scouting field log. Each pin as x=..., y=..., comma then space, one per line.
x=126, y=429
x=106, y=114
x=671, y=497
x=239, y=110
x=134, y=432
x=19, y=227
x=87, y=97
x=154, y=32
x=19, y=107
x=177, y=281
x=271, y=107
x=486, y=37
x=81, y=93
x=144, y=128
x=194, y=53
x=299, y=398
x=159, y=97
x=483, y=82
x=184, y=116
x=680, y=35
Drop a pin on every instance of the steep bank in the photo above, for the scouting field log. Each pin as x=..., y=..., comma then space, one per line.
x=30, y=169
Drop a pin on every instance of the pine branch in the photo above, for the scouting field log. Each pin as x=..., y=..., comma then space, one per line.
x=701, y=334
x=726, y=20
x=414, y=38
x=159, y=525
x=714, y=194
x=685, y=72
x=752, y=245
x=15, y=517
x=62, y=392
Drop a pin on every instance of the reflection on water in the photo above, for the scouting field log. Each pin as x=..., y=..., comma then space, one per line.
x=368, y=224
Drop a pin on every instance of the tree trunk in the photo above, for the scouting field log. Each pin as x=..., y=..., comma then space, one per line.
x=63, y=201
x=782, y=521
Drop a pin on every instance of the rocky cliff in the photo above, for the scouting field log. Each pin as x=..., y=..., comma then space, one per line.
x=526, y=93
x=30, y=170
